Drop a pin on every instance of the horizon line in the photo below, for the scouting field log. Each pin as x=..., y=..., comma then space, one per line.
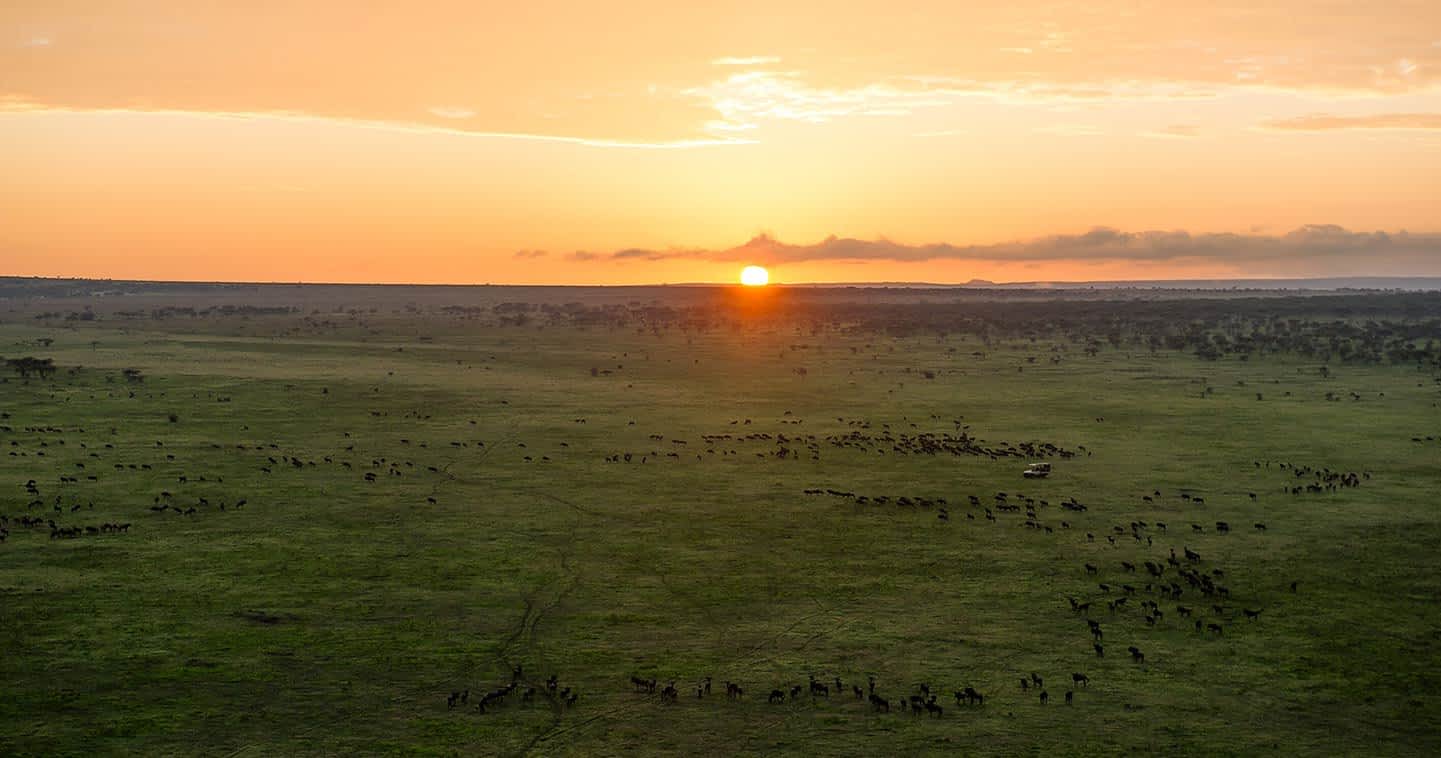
x=973, y=283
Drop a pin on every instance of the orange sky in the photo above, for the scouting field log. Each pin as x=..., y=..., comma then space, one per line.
x=564, y=142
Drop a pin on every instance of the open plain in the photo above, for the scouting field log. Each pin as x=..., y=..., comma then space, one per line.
x=264, y=520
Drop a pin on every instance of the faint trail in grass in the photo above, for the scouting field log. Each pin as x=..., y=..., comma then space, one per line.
x=530, y=622
x=580, y=509
x=566, y=569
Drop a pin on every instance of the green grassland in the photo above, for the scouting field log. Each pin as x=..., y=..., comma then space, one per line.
x=331, y=614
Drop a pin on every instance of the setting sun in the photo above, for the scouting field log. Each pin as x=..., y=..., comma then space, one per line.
x=755, y=276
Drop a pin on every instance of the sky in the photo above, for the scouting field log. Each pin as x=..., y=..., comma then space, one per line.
x=552, y=142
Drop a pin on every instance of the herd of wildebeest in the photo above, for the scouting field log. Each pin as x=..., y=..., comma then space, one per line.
x=1188, y=585
x=1184, y=586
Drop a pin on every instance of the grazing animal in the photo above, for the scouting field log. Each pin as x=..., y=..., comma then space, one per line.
x=1080, y=679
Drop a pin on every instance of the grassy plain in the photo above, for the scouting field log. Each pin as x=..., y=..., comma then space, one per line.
x=332, y=614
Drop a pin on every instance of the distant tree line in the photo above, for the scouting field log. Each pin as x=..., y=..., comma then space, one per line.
x=26, y=367
x=1371, y=327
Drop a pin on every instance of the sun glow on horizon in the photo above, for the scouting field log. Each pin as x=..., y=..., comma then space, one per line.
x=755, y=276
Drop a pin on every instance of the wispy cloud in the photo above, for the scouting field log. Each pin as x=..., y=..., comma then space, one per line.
x=12, y=104
x=531, y=254
x=452, y=112
x=755, y=96
x=749, y=98
x=1326, y=122
x=1308, y=243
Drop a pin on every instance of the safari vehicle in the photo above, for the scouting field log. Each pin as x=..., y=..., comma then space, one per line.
x=1037, y=471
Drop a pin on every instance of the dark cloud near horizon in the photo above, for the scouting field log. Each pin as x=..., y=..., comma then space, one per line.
x=531, y=253
x=1101, y=243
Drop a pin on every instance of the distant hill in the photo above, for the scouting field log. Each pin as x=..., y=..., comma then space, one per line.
x=1418, y=283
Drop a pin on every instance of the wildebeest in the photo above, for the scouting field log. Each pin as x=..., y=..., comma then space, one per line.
x=970, y=696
